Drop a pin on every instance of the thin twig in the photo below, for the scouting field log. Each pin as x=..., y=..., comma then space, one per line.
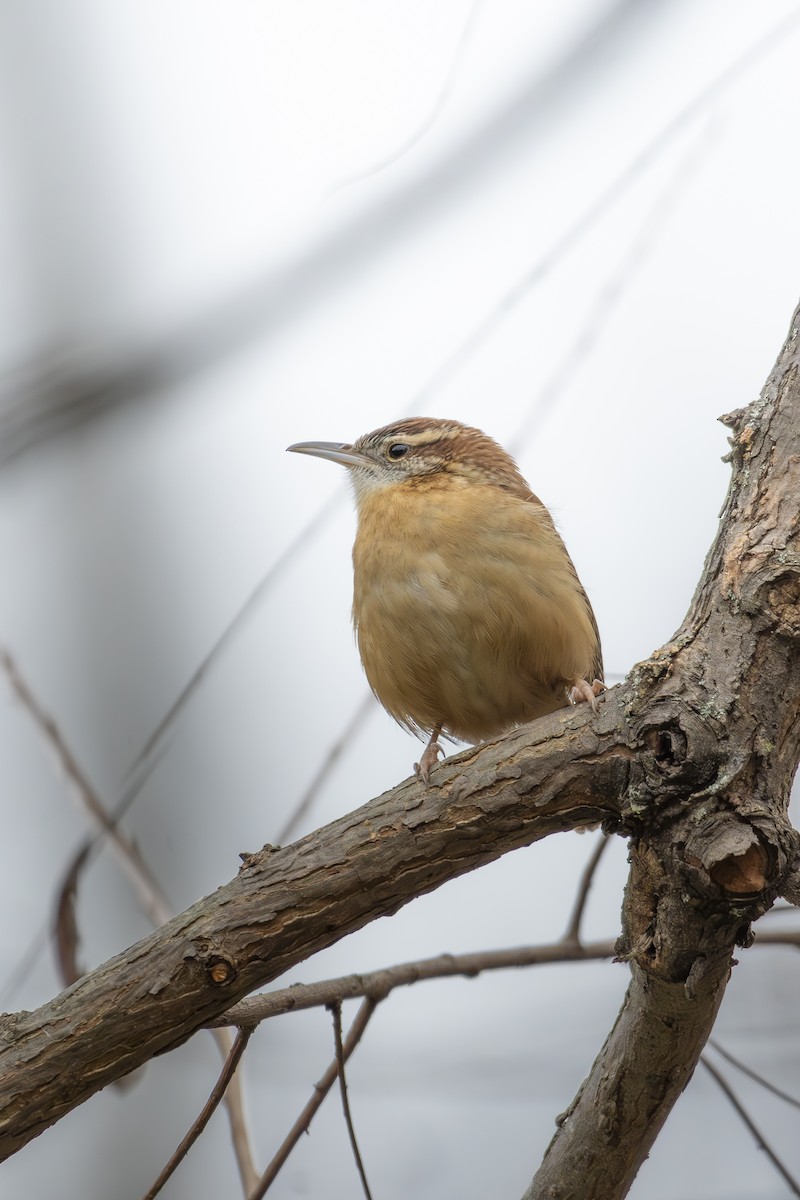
x=217, y=1092
x=237, y=1116
x=751, y=1074
x=378, y=984
x=304, y=804
x=761, y=1141
x=321, y=1090
x=573, y=930
x=336, y=1011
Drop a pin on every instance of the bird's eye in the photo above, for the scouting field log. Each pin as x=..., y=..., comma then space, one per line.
x=397, y=450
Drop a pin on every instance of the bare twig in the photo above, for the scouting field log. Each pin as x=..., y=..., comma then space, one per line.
x=378, y=984
x=761, y=1141
x=751, y=1074
x=321, y=1090
x=572, y=933
x=336, y=1011
x=237, y=1116
x=217, y=1092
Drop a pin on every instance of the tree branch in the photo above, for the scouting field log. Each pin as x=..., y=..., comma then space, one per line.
x=713, y=847
x=627, y=1108
x=378, y=984
x=287, y=903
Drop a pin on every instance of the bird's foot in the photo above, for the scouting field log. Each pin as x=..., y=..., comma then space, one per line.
x=581, y=690
x=430, y=757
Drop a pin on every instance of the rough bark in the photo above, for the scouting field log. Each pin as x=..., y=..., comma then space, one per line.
x=286, y=903
x=719, y=709
x=692, y=759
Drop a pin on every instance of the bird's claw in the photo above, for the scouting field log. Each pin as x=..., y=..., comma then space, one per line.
x=430, y=757
x=581, y=690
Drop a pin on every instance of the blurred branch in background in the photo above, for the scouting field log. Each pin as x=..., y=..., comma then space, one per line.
x=749, y=1124
x=351, y=729
x=149, y=895
x=616, y=284
x=55, y=392
x=749, y=1072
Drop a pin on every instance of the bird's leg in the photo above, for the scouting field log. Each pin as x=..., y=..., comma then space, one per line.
x=430, y=756
x=581, y=690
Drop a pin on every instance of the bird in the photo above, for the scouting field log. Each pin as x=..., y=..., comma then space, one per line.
x=468, y=612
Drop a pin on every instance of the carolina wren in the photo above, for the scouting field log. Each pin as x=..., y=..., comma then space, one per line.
x=469, y=615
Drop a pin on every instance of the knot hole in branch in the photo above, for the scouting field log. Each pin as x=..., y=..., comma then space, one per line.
x=679, y=748
x=220, y=970
x=667, y=747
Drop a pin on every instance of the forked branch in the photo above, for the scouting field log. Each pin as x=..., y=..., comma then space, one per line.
x=712, y=846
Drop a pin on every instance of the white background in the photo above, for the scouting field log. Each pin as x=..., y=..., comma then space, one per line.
x=575, y=226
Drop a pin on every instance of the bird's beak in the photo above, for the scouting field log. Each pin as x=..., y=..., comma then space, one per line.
x=338, y=452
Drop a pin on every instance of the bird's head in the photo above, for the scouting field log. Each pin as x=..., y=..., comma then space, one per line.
x=418, y=448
